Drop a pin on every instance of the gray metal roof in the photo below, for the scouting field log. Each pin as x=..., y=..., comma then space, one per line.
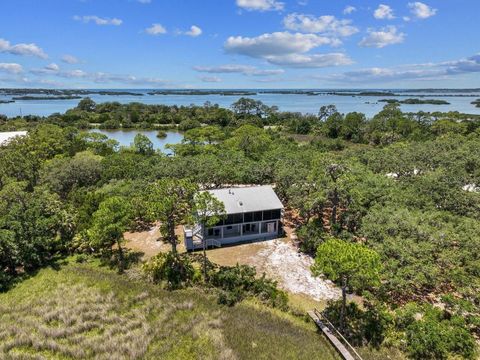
x=247, y=199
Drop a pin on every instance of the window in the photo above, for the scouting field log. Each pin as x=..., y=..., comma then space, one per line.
x=248, y=217
x=257, y=216
x=276, y=214
x=267, y=215
x=234, y=219
x=271, y=214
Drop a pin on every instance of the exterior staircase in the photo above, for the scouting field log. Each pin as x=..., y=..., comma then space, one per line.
x=198, y=239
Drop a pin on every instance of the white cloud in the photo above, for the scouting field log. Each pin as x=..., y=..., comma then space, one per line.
x=421, y=10
x=97, y=77
x=52, y=67
x=311, y=60
x=11, y=68
x=70, y=59
x=238, y=69
x=383, y=37
x=468, y=65
x=274, y=44
x=383, y=12
x=156, y=29
x=326, y=24
x=260, y=5
x=349, y=9
x=194, y=31
x=144, y=1
x=269, y=80
x=22, y=49
x=98, y=20
x=210, y=79
x=428, y=71
x=288, y=49
x=73, y=74
x=101, y=77
x=377, y=74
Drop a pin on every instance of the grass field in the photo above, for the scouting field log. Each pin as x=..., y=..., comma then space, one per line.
x=83, y=311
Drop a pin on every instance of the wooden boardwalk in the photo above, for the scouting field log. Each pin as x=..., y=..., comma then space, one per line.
x=337, y=344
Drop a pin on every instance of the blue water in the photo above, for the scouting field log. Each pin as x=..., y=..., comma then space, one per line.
x=125, y=137
x=368, y=105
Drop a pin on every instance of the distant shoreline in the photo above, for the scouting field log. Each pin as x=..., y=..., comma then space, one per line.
x=57, y=94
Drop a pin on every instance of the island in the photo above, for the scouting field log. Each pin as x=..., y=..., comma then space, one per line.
x=66, y=97
x=65, y=92
x=361, y=93
x=204, y=92
x=476, y=103
x=415, y=101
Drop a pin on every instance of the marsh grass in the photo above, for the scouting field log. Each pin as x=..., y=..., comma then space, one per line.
x=83, y=311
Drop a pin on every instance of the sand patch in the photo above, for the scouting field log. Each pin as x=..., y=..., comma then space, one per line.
x=291, y=269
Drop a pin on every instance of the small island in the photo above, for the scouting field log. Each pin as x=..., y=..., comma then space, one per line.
x=415, y=101
x=204, y=92
x=6, y=101
x=66, y=92
x=161, y=134
x=290, y=92
x=66, y=97
x=361, y=93
x=476, y=103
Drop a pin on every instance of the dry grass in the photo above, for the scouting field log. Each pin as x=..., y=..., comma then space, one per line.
x=86, y=312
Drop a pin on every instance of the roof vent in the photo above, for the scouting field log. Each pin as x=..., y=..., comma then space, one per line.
x=240, y=203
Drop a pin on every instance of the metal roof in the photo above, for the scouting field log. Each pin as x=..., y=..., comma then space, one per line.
x=248, y=199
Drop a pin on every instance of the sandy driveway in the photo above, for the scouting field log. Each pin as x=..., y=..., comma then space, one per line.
x=280, y=260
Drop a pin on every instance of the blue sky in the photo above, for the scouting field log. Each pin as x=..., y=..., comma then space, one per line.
x=239, y=43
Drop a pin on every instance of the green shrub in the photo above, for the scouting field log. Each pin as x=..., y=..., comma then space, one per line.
x=174, y=269
x=188, y=124
x=433, y=334
x=161, y=134
x=110, y=124
x=239, y=282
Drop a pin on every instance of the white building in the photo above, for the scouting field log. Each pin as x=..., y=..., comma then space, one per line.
x=253, y=213
x=5, y=137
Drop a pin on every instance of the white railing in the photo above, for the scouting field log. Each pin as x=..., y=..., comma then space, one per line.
x=214, y=242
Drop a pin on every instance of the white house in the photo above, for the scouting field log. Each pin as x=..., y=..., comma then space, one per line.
x=253, y=213
x=7, y=136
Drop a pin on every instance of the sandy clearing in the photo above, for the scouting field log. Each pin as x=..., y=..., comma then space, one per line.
x=292, y=271
x=280, y=260
x=150, y=241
